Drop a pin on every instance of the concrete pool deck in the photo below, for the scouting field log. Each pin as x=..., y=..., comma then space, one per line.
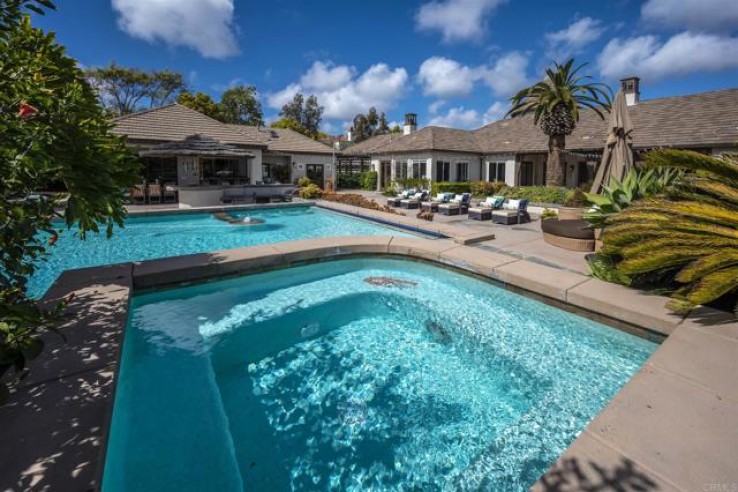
x=674, y=426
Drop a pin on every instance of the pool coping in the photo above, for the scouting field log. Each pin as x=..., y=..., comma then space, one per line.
x=673, y=426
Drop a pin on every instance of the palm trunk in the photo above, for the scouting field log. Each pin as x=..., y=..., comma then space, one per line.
x=556, y=164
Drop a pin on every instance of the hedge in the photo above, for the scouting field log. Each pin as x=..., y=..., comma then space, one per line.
x=369, y=180
x=447, y=187
x=349, y=181
x=535, y=194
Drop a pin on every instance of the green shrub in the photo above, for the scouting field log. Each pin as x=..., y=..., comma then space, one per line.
x=350, y=181
x=575, y=198
x=548, y=214
x=447, y=187
x=369, y=180
x=417, y=183
x=311, y=192
x=303, y=182
x=486, y=188
x=535, y=194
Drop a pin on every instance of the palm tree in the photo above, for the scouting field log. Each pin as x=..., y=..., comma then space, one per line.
x=555, y=103
x=689, y=234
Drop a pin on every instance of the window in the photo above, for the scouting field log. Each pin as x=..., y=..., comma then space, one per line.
x=161, y=169
x=443, y=171
x=463, y=171
x=418, y=169
x=526, y=174
x=220, y=171
x=496, y=171
x=400, y=170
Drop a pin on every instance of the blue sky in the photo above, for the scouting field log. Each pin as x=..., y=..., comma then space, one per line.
x=454, y=62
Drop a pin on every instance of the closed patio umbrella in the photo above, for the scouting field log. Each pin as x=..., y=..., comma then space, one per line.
x=617, y=156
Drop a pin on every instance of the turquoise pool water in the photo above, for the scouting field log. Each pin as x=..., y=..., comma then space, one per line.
x=145, y=238
x=355, y=375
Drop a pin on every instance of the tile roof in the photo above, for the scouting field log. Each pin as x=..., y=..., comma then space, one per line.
x=700, y=120
x=282, y=139
x=175, y=122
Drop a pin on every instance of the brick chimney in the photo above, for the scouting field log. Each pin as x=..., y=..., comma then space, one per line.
x=631, y=87
x=411, y=123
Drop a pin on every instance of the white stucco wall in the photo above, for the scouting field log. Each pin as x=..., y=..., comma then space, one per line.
x=510, y=167
x=300, y=161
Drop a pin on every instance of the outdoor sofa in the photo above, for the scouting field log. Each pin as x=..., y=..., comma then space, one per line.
x=395, y=201
x=483, y=211
x=512, y=212
x=457, y=205
x=414, y=201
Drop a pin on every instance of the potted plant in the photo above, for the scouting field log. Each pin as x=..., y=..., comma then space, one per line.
x=574, y=205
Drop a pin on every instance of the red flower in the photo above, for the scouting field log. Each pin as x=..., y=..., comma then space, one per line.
x=27, y=111
x=53, y=240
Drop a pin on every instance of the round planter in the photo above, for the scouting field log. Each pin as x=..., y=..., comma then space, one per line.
x=571, y=213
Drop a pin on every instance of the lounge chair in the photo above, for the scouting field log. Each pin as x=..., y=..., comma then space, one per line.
x=459, y=204
x=170, y=192
x=414, y=201
x=155, y=193
x=483, y=211
x=138, y=192
x=432, y=205
x=513, y=212
x=395, y=202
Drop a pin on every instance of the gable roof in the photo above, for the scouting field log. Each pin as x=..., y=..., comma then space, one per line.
x=175, y=122
x=282, y=139
x=699, y=120
x=428, y=138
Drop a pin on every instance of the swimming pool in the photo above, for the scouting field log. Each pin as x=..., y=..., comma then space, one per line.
x=159, y=236
x=356, y=374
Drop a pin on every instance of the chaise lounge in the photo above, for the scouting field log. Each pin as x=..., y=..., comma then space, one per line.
x=513, y=212
x=483, y=211
x=458, y=205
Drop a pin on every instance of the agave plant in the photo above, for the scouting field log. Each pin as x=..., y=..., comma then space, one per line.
x=555, y=104
x=691, y=231
x=636, y=185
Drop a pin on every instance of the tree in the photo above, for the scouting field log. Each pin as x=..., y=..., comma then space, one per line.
x=395, y=129
x=52, y=130
x=239, y=105
x=555, y=103
x=124, y=90
x=201, y=102
x=689, y=235
x=369, y=125
x=290, y=124
x=307, y=113
x=293, y=110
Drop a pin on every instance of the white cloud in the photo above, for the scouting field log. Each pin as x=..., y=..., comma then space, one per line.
x=445, y=78
x=507, y=75
x=434, y=107
x=278, y=99
x=326, y=77
x=495, y=112
x=563, y=44
x=704, y=15
x=458, y=117
x=682, y=54
x=456, y=20
x=379, y=86
x=203, y=25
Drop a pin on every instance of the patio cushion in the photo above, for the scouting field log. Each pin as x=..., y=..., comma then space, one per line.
x=498, y=201
x=511, y=205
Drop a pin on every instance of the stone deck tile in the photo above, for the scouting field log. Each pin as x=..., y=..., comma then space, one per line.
x=591, y=465
x=314, y=249
x=544, y=280
x=675, y=428
x=420, y=248
x=626, y=304
x=476, y=260
x=707, y=359
x=175, y=269
x=56, y=431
